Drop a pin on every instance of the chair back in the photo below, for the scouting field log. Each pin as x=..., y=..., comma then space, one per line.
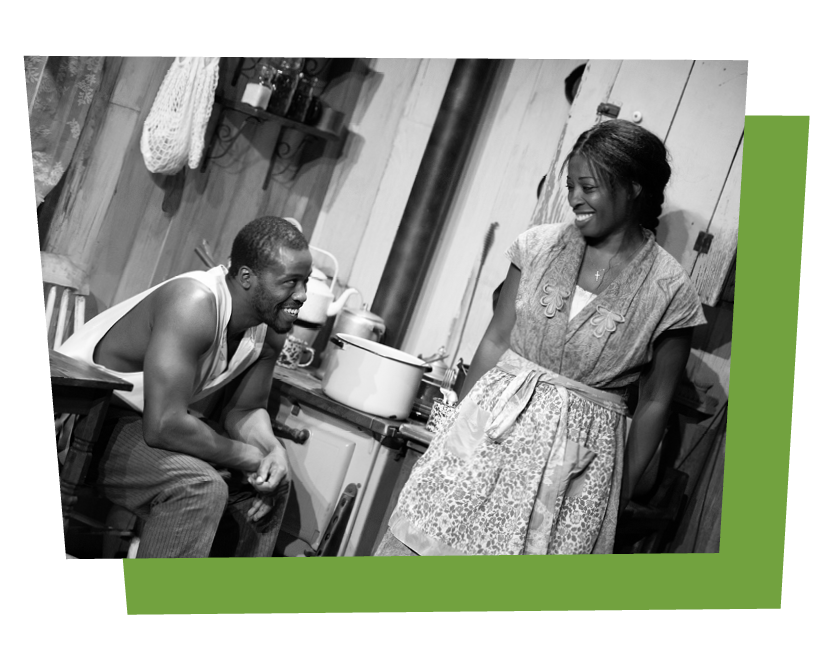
x=66, y=294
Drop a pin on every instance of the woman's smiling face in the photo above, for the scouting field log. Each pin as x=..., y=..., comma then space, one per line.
x=599, y=208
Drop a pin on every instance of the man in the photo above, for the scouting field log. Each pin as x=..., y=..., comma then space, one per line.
x=179, y=343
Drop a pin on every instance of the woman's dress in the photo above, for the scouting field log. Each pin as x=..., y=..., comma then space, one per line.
x=531, y=463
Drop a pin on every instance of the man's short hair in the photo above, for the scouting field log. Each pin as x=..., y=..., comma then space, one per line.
x=258, y=244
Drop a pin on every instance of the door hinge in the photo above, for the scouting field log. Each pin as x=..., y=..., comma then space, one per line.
x=608, y=110
x=703, y=242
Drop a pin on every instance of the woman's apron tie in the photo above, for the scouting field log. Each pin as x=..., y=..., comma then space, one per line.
x=565, y=461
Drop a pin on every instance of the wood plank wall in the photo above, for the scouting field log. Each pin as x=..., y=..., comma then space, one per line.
x=371, y=184
x=129, y=229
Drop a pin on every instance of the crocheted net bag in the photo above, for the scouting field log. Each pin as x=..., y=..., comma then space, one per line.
x=174, y=131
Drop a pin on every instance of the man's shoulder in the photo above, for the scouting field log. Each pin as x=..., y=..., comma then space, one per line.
x=185, y=291
x=187, y=302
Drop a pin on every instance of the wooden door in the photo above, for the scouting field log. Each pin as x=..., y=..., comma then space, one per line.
x=697, y=108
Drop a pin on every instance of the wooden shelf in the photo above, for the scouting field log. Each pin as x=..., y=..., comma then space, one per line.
x=221, y=133
x=265, y=116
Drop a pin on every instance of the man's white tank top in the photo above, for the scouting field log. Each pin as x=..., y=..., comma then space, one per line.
x=214, y=370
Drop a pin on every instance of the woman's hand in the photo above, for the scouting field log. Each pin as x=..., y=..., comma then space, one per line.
x=656, y=393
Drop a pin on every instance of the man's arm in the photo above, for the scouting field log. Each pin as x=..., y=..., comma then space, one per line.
x=183, y=323
x=671, y=352
x=248, y=421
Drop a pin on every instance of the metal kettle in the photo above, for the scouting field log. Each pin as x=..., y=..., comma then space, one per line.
x=361, y=323
x=351, y=321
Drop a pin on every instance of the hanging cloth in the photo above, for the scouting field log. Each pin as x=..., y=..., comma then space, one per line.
x=174, y=131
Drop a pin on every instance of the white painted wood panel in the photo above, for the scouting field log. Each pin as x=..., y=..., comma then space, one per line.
x=596, y=83
x=710, y=269
x=652, y=88
x=355, y=181
x=406, y=153
x=702, y=143
x=405, y=157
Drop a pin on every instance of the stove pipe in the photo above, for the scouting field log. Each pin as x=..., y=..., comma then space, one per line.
x=433, y=192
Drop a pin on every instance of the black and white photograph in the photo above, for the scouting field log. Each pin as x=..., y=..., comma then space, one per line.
x=308, y=306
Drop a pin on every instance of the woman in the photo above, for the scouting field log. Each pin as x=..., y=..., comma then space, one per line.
x=534, y=460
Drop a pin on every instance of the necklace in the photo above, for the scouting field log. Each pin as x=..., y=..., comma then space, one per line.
x=601, y=273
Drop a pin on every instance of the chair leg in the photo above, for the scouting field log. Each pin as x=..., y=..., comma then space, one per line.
x=119, y=519
x=134, y=548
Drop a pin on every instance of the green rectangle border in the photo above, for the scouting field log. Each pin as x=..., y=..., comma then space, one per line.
x=745, y=574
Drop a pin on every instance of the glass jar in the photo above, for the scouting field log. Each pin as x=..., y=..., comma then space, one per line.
x=284, y=83
x=258, y=94
x=302, y=98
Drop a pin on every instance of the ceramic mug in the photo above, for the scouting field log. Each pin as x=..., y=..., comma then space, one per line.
x=292, y=353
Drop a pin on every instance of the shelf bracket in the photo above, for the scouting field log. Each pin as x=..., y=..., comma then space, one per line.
x=283, y=151
x=224, y=136
x=243, y=68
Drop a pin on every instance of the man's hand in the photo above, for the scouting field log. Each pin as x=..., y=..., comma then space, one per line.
x=262, y=505
x=274, y=467
x=272, y=470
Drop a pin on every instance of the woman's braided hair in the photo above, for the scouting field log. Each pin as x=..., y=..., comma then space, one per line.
x=627, y=153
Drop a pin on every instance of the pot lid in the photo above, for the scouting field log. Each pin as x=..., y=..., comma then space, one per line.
x=382, y=350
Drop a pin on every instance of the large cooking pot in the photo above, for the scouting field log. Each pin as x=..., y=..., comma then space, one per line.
x=372, y=377
x=360, y=323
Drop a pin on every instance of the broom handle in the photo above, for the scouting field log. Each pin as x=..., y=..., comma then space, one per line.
x=468, y=297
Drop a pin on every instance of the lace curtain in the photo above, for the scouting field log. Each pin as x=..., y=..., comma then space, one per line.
x=59, y=91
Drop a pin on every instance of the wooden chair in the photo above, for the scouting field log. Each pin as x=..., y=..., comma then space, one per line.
x=66, y=297
x=67, y=306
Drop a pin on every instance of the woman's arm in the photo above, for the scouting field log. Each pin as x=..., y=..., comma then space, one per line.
x=496, y=339
x=671, y=352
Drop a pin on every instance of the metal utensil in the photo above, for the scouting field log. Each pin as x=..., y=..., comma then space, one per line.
x=439, y=355
x=449, y=395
